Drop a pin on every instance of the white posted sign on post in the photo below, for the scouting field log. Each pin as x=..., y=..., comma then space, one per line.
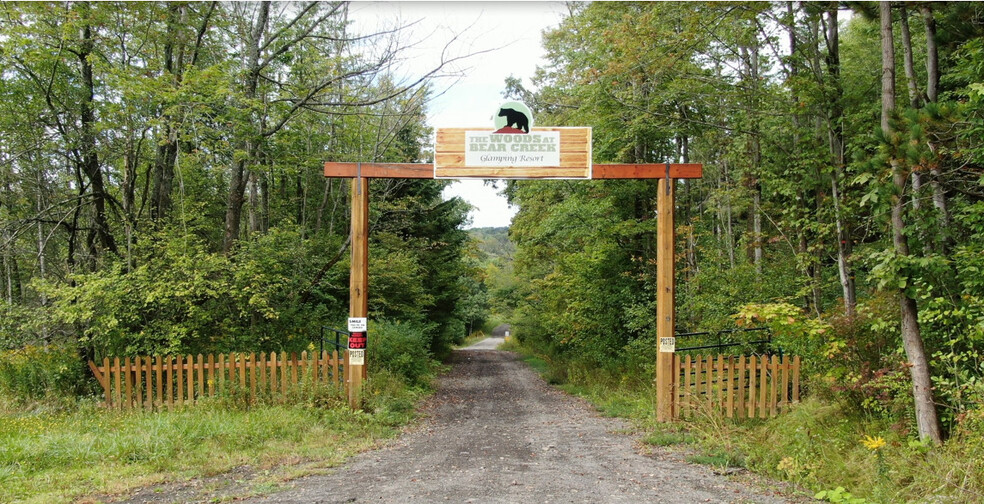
x=358, y=324
x=667, y=344
x=357, y=357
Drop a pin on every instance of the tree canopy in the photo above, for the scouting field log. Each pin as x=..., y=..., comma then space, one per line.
x=161, y=186
x=805, y=197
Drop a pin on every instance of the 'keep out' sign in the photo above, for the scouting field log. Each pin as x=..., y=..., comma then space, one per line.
x=357, y=341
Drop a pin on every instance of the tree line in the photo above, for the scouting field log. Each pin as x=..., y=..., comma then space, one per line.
x=841, y=202
x=161, y=185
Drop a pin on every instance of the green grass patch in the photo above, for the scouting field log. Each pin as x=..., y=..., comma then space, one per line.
x=717, y=458
x=50, y=456
x=539, y=365
x=668, y=438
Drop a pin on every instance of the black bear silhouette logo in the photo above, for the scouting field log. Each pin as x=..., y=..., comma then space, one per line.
x=515, y=117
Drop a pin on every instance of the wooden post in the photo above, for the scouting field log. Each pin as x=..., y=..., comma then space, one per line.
x=359, y=275
x=665, y=306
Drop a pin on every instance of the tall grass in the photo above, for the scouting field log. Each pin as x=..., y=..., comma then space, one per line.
x=61, y=455
x=35, y=372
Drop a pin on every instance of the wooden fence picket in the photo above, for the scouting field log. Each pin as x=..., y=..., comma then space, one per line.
x=796, y=379
x=158, y=382
x=740, y=407
x=735, y=387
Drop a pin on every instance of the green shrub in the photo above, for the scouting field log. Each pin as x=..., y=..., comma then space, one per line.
x=387, y=397
x=35, y=372
x=402, y=349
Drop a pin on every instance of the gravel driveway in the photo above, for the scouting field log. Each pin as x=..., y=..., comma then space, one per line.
x=497, y=433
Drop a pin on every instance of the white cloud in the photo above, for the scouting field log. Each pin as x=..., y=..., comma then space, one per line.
x=491, y=209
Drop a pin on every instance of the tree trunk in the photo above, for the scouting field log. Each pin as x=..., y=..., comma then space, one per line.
x=254, y=204
x=914, y=98
x=910, y=70
x=240, y=174
x=167, y=146
x=42, y=259
x=932, y=54
x=321, y=207
x=922, y=391
x=932, y=95
x=87, y=141
x=730, y=233
x=8, y=256
x=755, y=184
x=835, y=128
x=265, y=202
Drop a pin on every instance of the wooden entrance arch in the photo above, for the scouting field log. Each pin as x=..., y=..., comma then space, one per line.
x=665, y=283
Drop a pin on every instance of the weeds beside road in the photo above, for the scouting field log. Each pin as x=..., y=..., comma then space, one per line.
x=54, y=454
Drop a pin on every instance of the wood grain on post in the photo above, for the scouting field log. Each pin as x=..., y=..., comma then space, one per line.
x=149, y=370
x=273, y=374
x=169, y=385
x=751, y=386
x=721, y=383
x=107, y=385
x=190, y=375
x=242, y=372
x=200, y=367
x=211, y=375
x=687, y=385
x=283, y=374
x=262, y=363
x=159, y=369
x=358, y=276
x=785, y=382
x=252, y=375
x=796, y=379
x=709, y=382
x=220, y=373
x=677, y=389
x=128, y=379
x=731, y=387
x=774, y=386
x=763, y=371
x=665, y=290
x=179, y=376
x=741, y=387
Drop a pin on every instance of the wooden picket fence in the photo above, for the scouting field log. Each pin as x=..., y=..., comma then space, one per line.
x=742, y=387
x=165, y=382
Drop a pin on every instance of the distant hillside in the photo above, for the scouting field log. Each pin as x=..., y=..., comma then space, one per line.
x=494, y=241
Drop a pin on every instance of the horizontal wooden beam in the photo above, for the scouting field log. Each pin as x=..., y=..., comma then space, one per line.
x=647, y=171
x=598, y=171
x=380, y=170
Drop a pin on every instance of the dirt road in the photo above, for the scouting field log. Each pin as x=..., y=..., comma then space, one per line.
x=497, y=433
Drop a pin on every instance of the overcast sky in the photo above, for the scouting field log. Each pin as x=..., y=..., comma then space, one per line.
x=507, y=36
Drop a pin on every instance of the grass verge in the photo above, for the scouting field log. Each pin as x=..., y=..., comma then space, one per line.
x=61, y=455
